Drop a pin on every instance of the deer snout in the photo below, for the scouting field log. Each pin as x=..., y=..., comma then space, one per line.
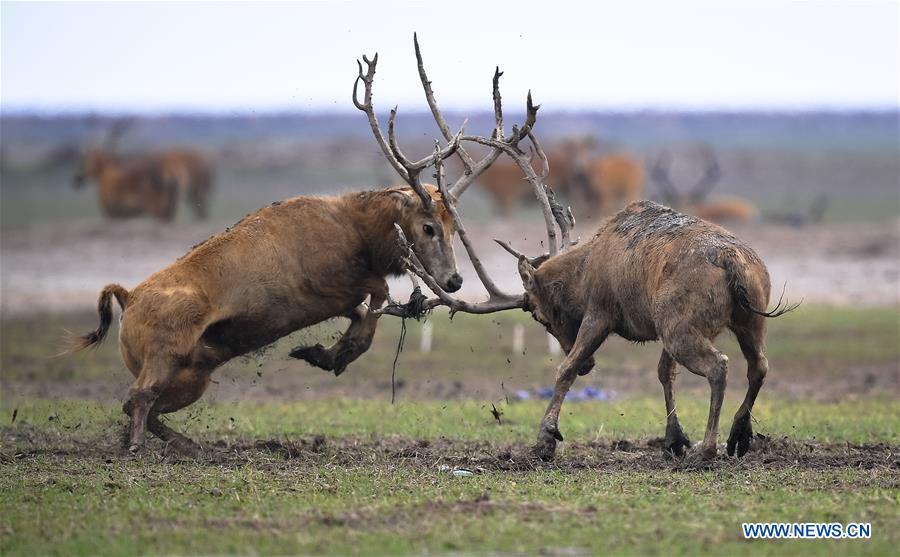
x=454, y=283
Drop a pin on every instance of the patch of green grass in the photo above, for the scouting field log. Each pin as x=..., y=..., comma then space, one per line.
x=71, y=503
x=56, y=507
x=853, y=421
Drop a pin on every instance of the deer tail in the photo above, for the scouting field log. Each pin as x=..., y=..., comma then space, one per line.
x=737, y=283
x=104, y=308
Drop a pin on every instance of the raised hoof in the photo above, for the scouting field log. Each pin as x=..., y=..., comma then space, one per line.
x=676, y=440
x=740, y=437
x=316, y=356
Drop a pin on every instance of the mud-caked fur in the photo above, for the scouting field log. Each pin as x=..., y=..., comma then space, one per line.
x=287, y=266
x=651, y=273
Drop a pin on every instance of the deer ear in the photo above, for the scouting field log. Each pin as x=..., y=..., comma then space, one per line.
x=526, y=271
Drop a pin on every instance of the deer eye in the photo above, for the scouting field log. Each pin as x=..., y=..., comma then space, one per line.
x=428, y=229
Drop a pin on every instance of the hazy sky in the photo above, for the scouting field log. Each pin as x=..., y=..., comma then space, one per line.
x=217, y=56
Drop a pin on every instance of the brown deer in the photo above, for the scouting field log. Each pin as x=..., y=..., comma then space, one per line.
x=128, y=188
x=649, y=273
x=722, y=210
x=506, y=186
x=612, y=181
x=288, y=266
x=192, y=174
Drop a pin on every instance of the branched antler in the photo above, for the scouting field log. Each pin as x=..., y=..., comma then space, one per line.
x=555, y=216
x=407, y=169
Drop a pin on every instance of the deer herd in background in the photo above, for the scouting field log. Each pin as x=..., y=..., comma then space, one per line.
x=596, y=181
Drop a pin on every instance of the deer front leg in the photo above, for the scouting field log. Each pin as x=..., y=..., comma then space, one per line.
x=591, y=335
x=352, y=344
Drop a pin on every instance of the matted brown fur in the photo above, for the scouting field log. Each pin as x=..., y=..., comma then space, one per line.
x=287, y=266
x=651, y=273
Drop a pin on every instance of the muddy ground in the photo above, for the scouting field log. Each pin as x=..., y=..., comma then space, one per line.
x=22, y=443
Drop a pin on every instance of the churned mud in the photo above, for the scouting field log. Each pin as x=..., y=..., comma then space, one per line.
x=444, y=456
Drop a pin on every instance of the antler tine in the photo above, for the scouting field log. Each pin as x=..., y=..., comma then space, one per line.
x=407, y=169
x=467, y=160
x=368, y=79
x=659, y=172
x=498, y=104
x=512, y=251
x=711, y=175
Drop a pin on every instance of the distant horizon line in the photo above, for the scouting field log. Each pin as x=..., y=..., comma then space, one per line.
x=244, y=112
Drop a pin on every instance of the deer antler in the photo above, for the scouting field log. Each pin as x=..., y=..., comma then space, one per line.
x=500, y=144
x=407, y=169
x=659, y=172
x=115, y=132
x=711, y=175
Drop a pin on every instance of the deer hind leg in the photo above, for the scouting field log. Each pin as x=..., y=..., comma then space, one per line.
x=698, y=355
x=752, y=344
x=591, y=335
x=676, y=440
x=185, y=388
x=143, y=394
x=352, y=344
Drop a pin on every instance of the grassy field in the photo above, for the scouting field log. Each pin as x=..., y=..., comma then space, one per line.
x=296, y=461
x=358, y=477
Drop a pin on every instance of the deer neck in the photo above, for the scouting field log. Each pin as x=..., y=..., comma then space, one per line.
x=378, y=212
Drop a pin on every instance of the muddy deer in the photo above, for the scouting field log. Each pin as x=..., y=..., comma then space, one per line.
x=649, y=273
x=694, y=202
x=290, y=265
x=126, y=187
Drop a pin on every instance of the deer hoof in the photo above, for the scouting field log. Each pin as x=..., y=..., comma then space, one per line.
x=740, y=437
x=316, y=356
x=545, y=449
x=676, y=440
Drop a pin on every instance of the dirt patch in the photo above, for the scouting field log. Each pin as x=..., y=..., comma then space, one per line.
x=441, y=456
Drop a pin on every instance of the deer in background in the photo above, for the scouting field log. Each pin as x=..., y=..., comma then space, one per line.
x=611, y=181
x=290, y=265
x=694, y=202
x=595, y=182
x=124, y=189
x=127, y=187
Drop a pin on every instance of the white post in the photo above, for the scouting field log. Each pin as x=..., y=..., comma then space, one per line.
x=553, y=345
x=518, y=339
x=425, y=339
